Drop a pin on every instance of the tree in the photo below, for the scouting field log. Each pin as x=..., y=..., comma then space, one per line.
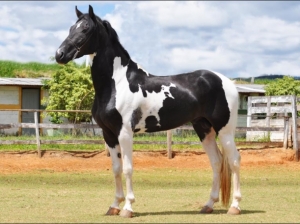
x=285, y=86
x=70, y=88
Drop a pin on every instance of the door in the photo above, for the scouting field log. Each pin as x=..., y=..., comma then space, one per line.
x=30, y=100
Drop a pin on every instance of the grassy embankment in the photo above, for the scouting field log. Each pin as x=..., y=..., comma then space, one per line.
x=11, y=69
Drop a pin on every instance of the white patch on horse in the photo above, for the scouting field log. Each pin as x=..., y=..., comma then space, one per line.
x=140, y=67
x=89, y=59
x=127, y=101
x=166, y=90
x=78, y=24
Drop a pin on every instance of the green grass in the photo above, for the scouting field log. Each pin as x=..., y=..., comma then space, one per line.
x=11, y=69
x=270, y=195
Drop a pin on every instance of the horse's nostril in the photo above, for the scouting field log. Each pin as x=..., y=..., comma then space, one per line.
x=61, y=55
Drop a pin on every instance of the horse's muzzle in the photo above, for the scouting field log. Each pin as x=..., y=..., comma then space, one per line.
x=60, y=56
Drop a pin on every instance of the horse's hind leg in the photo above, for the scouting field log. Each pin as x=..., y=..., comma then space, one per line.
x=207, y=135
x=233, y=157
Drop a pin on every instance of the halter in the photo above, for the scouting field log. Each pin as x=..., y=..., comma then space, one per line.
x=79, y=48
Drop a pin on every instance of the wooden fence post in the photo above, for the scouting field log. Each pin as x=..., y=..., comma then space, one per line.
x=286, y=131
x=169, y=143
x=268, y=115
x=294, y=122
x=249, y=111
x=37, y=134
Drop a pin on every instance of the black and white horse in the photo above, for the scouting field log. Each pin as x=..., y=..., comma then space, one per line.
x=130, y=100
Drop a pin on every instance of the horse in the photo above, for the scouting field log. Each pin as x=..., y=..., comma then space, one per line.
x=130, y=100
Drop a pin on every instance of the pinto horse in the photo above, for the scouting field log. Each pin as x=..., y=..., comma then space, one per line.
x=130, y=100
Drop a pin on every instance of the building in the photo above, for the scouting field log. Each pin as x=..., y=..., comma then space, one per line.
x=20, y=93
x=246, y=90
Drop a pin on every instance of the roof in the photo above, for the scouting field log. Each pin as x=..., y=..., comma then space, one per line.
x=21, y=81
x=250, y=88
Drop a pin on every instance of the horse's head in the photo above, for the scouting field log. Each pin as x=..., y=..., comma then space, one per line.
x=82, y=38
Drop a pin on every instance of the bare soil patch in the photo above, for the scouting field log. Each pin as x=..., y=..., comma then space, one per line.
x=72, y=161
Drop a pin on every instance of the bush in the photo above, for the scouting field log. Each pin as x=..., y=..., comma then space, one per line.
x=71, y=88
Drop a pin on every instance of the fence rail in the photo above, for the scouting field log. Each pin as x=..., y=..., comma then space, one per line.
x=169, y=141
x=78, y=126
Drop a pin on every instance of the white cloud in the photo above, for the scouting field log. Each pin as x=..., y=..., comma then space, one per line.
x=259, y=34
x=115, y=20
x=271, y=66
x=282, y=67
x=183, y=59
x=234, y=38
x=183, y=14
x=61, y=34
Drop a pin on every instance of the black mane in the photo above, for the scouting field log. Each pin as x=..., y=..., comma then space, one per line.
x=113, y=36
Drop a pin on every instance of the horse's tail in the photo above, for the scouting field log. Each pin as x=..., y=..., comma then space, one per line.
x=225, y=181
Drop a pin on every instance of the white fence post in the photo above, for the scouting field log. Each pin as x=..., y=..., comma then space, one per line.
x=286, y=131
x=249, y=111
x=37, y=133
x=268, y=115
x=294, y=123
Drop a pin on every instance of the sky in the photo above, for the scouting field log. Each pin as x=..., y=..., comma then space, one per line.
x=235, y=38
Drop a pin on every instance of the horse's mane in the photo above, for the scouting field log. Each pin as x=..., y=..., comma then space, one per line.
x=114, y=38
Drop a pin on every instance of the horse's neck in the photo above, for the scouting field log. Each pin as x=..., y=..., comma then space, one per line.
x=107, y=69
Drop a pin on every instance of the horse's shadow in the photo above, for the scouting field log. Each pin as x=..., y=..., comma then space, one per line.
x=215, y=212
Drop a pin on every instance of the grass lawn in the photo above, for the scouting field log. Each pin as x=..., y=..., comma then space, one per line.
x=270, y=195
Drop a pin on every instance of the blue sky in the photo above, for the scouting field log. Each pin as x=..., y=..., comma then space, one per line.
x=236, y=38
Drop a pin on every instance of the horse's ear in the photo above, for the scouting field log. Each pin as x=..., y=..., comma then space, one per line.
x=78, y=13
x=91, y=13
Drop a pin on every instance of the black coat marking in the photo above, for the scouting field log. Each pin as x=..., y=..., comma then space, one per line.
x=135, y=118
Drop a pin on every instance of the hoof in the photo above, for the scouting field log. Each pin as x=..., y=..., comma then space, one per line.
x=126, y=214
x=113, y=211
x=206, y=210
x=234, y=211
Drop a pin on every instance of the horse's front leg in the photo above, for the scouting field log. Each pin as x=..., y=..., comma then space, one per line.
x=126, y=141
x=115, y=154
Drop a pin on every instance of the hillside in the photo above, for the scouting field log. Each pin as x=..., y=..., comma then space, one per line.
x=262, y=79
x=11, y=69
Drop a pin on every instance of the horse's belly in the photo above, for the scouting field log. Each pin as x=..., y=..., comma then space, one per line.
x=154, y=117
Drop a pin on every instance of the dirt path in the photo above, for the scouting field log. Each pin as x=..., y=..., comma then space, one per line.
x=14, y=162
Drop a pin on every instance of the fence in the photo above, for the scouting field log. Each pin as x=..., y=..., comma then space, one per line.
x=268, y=106
x=36, y=125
